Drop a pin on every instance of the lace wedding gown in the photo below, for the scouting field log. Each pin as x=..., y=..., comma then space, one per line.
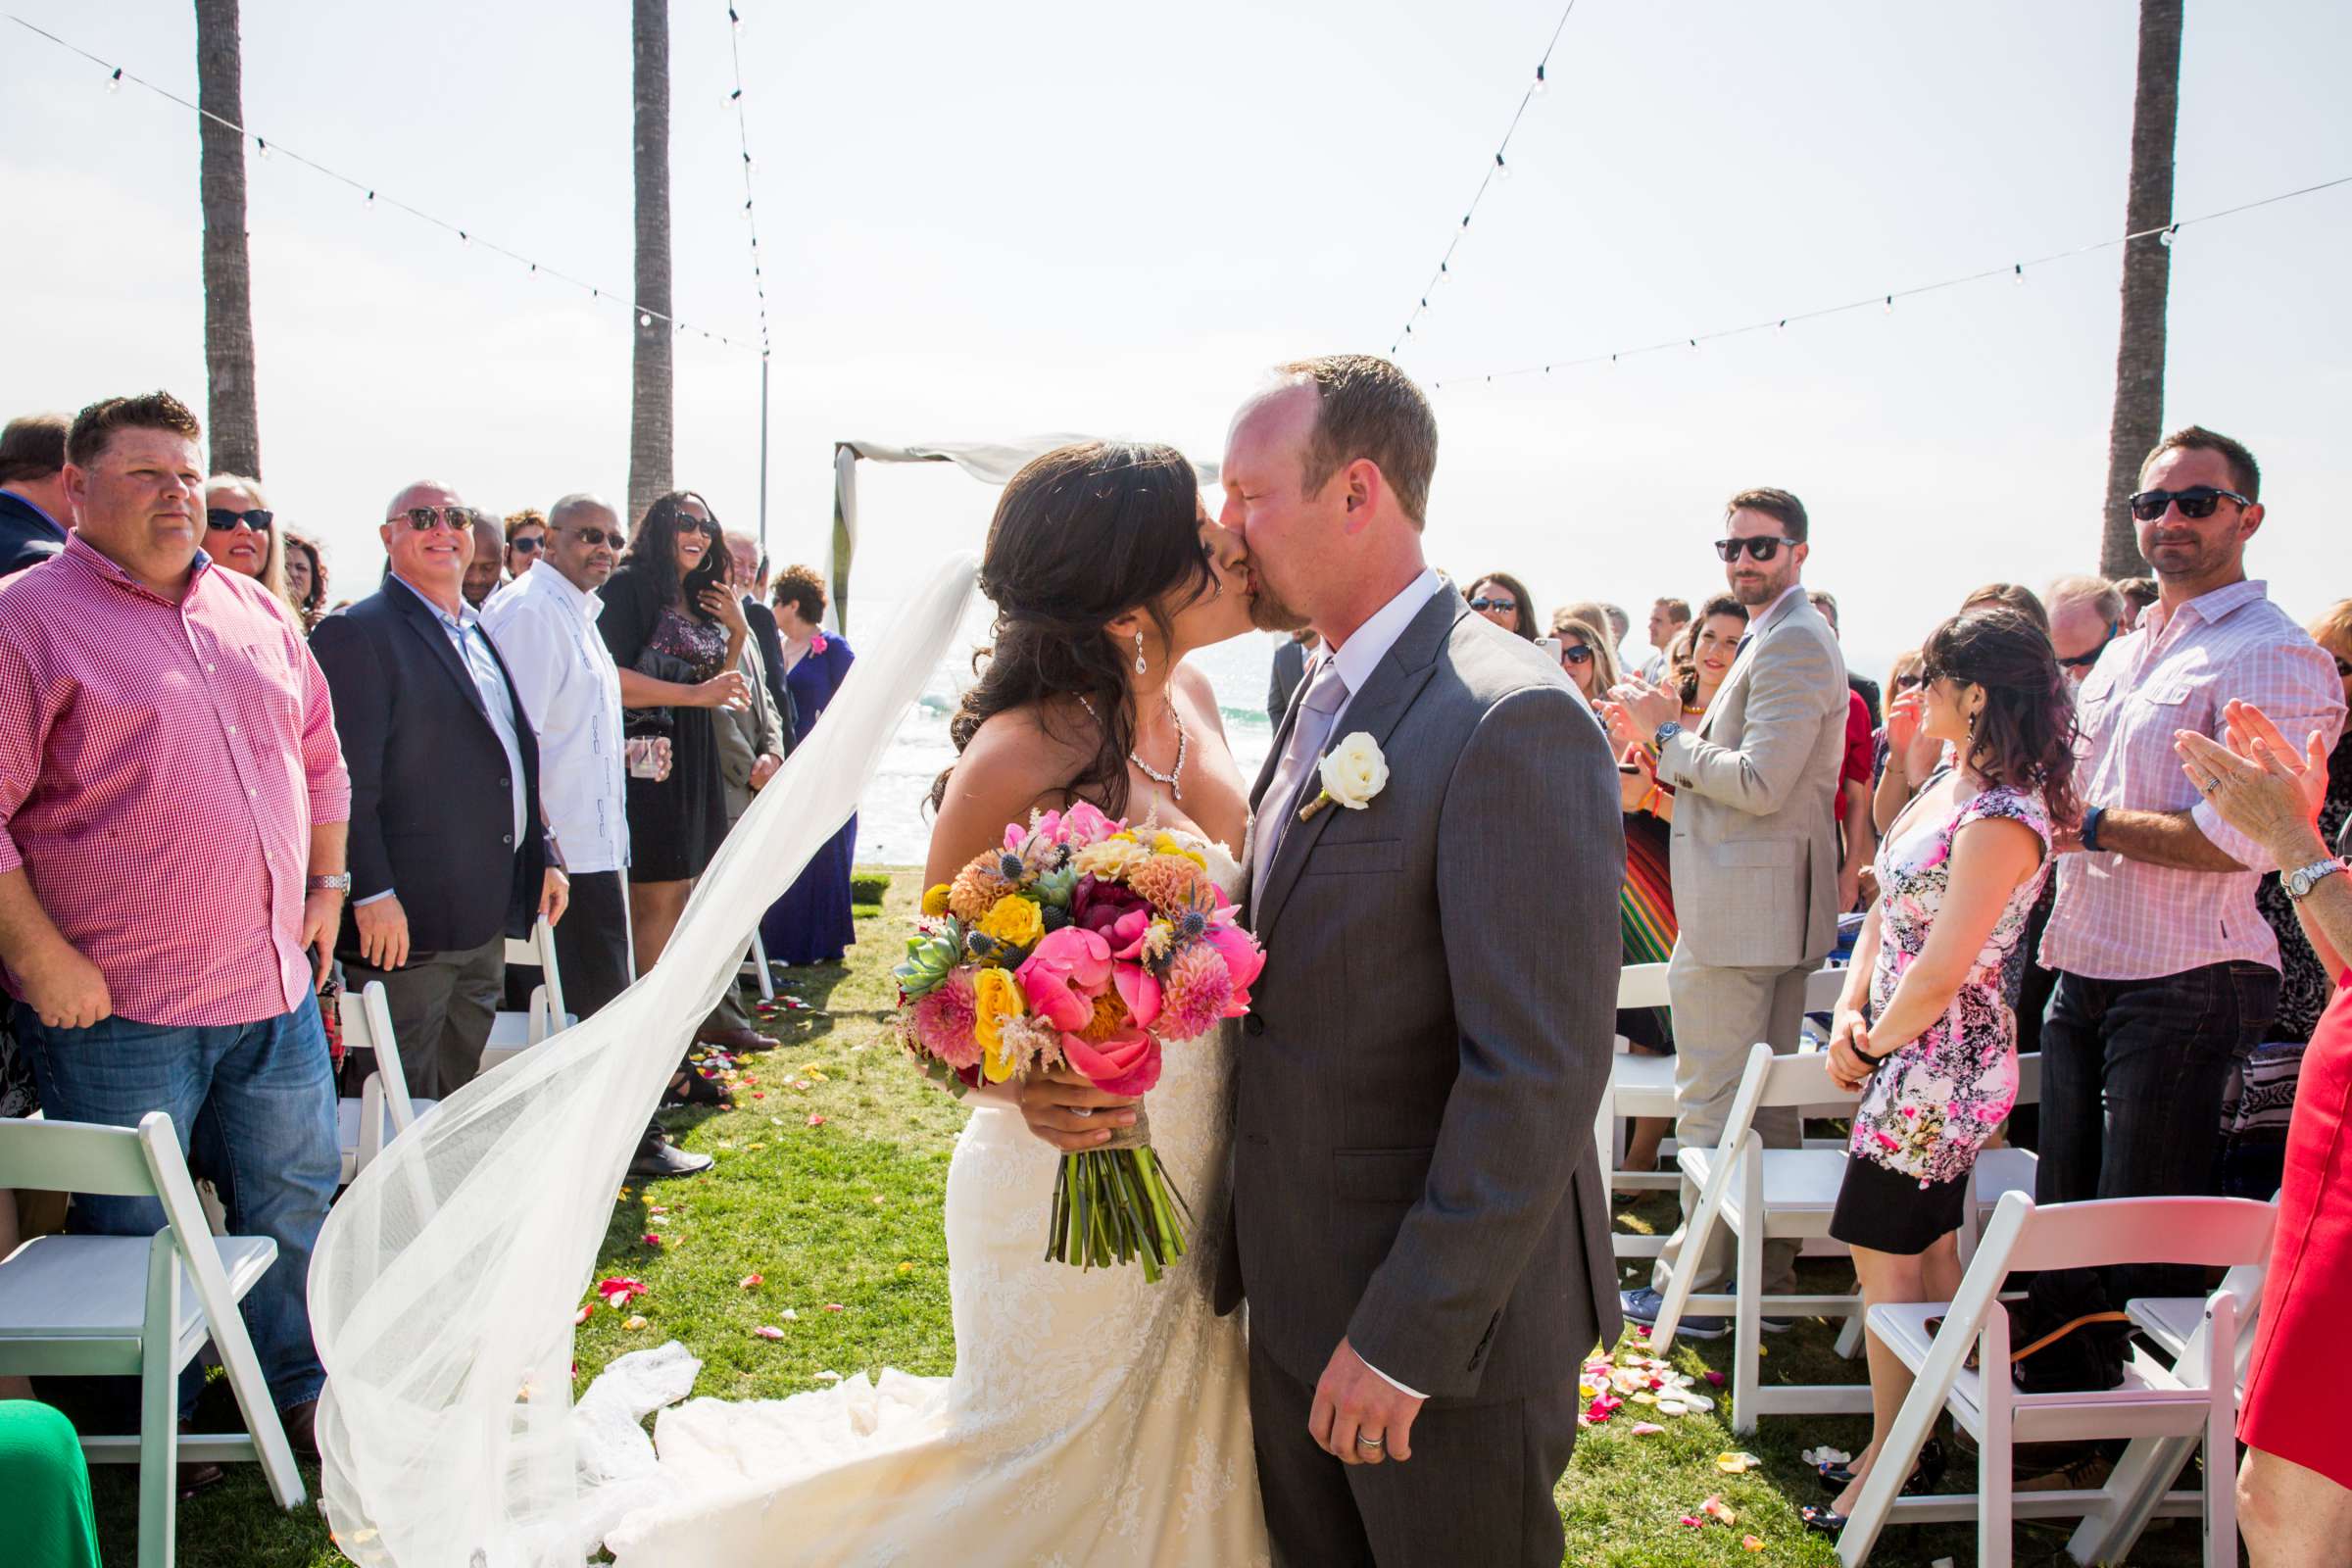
x=1092, y=1418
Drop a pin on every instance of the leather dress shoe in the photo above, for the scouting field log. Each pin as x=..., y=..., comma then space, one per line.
x=657, y=1160
x=301, y=1422
x=735, y=1042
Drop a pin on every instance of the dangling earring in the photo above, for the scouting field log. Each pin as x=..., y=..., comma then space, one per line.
x=1138, y=652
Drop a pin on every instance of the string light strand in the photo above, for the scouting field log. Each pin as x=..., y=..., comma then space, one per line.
x=373, y=197
x=1497, y=169
x=743, y=132
x=1884, y=299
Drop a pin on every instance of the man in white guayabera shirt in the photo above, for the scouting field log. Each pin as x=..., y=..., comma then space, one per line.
x=545, y=625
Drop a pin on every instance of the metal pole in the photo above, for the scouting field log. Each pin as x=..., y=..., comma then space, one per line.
x=763, y=454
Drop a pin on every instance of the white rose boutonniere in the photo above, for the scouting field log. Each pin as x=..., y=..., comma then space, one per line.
x=1353, y=773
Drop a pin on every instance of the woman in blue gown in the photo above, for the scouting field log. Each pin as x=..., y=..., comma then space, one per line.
x=811, y=922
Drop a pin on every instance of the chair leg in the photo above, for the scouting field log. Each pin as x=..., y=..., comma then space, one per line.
x=1995, y=1463
x=1850, y=1336
x=2220, y=1433
x=1748, y=1328
x=158, y=1409
x=2137, y=1484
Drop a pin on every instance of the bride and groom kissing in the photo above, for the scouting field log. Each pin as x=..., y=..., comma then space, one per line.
x=1390, y=1157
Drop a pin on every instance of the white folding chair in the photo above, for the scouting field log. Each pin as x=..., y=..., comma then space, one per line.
x=101, y=1306
x=2155, y=1401
x=1639, y=1086
x=384, y=1110
x=758, y=965
x=1763, y=1194
x=513, y=1033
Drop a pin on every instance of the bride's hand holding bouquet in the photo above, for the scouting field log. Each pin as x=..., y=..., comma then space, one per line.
x=1072, y=957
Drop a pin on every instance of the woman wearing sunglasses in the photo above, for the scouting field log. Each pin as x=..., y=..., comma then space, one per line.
x=241, y=533
x=1503, y=600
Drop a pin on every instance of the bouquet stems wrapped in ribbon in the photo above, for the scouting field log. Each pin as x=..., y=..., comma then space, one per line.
x=1087, y=945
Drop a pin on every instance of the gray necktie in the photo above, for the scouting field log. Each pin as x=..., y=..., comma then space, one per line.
x=1325, y=696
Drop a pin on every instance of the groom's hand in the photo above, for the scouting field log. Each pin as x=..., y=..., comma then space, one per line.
x=1072, y=1113
x=1353, y=1402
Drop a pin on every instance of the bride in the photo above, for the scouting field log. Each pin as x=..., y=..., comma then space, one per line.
x=1092, y=1418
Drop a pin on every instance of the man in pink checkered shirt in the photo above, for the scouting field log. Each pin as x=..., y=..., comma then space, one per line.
x=172, y=814
x=2167, y=973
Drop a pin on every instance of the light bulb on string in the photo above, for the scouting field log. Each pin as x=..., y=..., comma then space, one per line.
x=2166, y=238
x=735, y=18
x=1502, y=171
x=1542, y=85
x=369, y=203
x=1889, y=309
x=645, y=318
x=2017, y=273
x=261, y=147
x=464, y=238
x=114, y=83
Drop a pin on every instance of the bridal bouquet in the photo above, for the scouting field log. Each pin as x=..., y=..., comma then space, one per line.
x=1088, y=945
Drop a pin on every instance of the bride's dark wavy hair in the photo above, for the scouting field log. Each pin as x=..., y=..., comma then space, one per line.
x=1083, y=535
x=2024, y=737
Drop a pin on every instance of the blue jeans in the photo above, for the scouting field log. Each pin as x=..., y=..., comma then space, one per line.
x=254, y=1105
x=2133, y=1073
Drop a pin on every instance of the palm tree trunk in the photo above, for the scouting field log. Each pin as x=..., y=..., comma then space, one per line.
x=230, y=412
x=2147, y=277
x=651, y=369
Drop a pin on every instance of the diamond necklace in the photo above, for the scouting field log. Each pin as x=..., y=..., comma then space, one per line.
x=1174, y=781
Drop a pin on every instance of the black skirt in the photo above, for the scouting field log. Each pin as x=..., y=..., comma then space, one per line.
x=676, y=823
x=1887, y=1212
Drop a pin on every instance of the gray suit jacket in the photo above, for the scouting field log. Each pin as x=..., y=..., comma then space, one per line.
x=1754, y=851
x=745, y=733
x=1413, y=1160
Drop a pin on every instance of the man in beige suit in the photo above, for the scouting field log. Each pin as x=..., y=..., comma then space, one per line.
x=751, y=747
x=1754, y=854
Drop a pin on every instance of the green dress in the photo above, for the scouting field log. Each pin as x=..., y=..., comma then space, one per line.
x=45, y=1489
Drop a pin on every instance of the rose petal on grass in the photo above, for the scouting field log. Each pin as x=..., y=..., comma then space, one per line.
x=906, y=1268
x=1646, y=1429
x=789, y=1316
x=1695, y=1521
x=587, y=1310
x=1753, y=1542
x=768, y=1331
x=1713, y=1377
x=749, y=1282
x=1825, y=1454
x=815, y=1120
x=656, y=1213
x=826, y=1377
x=651, y=1238
x=620, y=1291
x=835, y=1306
x=634, y=1323
x=1716, y=1508
x=1737, y=1464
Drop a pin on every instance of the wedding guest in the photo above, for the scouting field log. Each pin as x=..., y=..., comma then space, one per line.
x=750, y=748
x=306, y=579
x=2087, y=613
x=1924, y=1030
x=1854, y=778
x=1616, y=623
x=813, y=923
x=450, y=853
x=241, y=534
x=676, y=633
x=45, y=1487
x=1586, y=655
x=1667, y=618
x=1504, y=600
x=1860, y=685
x=482, y=573
x=526, y=539
x=1760, y=772
x=545, y=625
x=163, y=710
x=1289, y=669
x=770, y=640
x=2294, y=1490
x=2014, y=595
x=35, y=514
x=2138, y=594
x=2167, y=973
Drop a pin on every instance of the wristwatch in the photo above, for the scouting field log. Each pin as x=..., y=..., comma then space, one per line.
x=2298, y=884
x=340, y=882
x=1666, y=733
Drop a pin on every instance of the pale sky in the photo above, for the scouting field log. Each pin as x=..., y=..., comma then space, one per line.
x=985, y=222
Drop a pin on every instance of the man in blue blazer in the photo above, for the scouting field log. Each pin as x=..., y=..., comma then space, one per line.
x=450, y=853
x=34, y=513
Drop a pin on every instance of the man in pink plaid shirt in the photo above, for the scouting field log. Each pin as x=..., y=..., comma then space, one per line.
x=2167, y=972
x=172, y=813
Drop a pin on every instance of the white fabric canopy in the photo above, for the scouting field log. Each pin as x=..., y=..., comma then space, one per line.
x=989, y=462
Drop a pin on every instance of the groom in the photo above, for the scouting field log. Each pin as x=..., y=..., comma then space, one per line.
x=1418, y=1219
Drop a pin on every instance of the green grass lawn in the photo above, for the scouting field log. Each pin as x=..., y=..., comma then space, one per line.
x=842, y=1222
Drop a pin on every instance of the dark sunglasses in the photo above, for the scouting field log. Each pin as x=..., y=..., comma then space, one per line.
x=2080, y=660
x=221, y=519
x=423, y=518
x=1575, y=654
x=2197, y=501
x=592, y=537
x=1505, y=605
x=2344, y=668
x=1763, y=547
x=526, y=544
x=1904, y=683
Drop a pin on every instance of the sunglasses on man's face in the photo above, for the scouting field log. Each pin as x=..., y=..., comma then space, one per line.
x=524, y=544
x=2197, y=501
x=425, y=518
x=2086, y=660
x=1486, y=602
x=221, y=519
x=1763, y=547
x=592, y=537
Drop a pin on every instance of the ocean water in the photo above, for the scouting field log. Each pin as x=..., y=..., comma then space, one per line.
x=894, y=824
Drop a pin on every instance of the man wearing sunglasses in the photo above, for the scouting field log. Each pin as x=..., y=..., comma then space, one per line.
x=2167, y=971
x=1754, y=854
x=449, y=853
x=2086, y=615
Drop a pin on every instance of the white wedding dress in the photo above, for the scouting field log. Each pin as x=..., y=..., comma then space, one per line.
x=1092, y=1418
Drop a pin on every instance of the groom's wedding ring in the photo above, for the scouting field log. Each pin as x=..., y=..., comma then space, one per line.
x=1371, y=1443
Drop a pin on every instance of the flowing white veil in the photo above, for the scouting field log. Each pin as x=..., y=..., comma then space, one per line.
x=444, y=1284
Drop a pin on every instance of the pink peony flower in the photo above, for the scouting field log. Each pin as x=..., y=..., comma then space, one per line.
x=942, y=1021
x=1062, y=976
x=1198, y=993
x=1082, y=825
x=1125, y=1063
x=1140, y=988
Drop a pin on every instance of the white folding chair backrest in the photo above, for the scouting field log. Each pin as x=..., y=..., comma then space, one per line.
x=2207, y=1232
x=368, y=1023
x=2029, y=1077
x=1823, y=988
x=1643, y=985
x=538, y=950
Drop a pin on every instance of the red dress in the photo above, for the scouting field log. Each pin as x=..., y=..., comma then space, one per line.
x=2300, y=1350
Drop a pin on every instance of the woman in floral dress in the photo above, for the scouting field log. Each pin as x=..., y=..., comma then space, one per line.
x=1933, y=1048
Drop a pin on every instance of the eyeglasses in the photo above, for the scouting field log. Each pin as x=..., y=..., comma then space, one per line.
x=1904, y=683
x=1763, y=547
x=1506, y=606
x=2344, y=668
x=524, y=544
x=423, y=518
x=221, y=520
x=2197, y=501
x=592, y=537
x=1574, y=654
x=2092, y=657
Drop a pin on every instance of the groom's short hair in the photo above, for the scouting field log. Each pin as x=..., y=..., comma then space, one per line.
x=1368, y=408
